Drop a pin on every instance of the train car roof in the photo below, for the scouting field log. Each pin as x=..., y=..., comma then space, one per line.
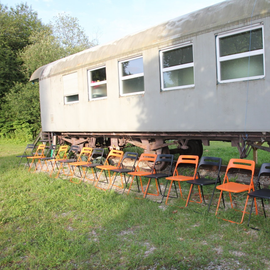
x=222, y=15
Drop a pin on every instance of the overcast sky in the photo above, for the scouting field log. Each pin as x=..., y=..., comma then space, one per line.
x=108, y=20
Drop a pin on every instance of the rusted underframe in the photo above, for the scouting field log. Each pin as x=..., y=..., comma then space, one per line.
x=151, y=141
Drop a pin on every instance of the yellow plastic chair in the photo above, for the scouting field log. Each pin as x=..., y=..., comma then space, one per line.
x=83, y=159
x=113, y=161
x=37, y=156
x=61, y=154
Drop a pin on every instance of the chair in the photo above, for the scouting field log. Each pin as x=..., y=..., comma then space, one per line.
x=248, y=166
x=145, y=166
x=72, y=156
x=50, y=153
x=127, y=165
x=112, y=161
x=38, y=154
x=61, y=155
x=260, y=193
x=84, y=158
x=182, y=162
x=96, y=160
x=158, y=174
x=213, y=164
x=28, y=152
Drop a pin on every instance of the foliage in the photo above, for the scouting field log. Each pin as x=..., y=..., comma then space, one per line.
x=16, y=26
x=70, y=35
x=21, y=110
x=25, y=45
x=44, y=49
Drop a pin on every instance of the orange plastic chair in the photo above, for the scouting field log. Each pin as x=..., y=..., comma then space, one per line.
x=83, y=159
x=145, y=166
x=37, y=156
x=233, y=187
x=113, y=161
x=177, y=177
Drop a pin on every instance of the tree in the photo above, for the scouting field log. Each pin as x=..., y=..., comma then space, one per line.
x=16, y=27
x=70, y=35
x=21, y=110
x=44, y=44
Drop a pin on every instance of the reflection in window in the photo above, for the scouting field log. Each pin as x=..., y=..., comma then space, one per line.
x=177, y=68
x=98, y=83
x=240, y=56
x=131, y=76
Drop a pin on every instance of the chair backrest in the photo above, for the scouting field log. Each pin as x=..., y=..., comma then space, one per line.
x=97, y=156
x=146, y=162
x=29, y=149
x=73, y=152
x=62, y=152
x=115, y=157
x=167, y=161
x=264, y=170
x=192, y=160
x=241, y=164
x=40, y=151
x=51, y=151
x=85, y=154
x=213, y=163
x=129, y=160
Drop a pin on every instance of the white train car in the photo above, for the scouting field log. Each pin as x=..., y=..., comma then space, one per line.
x=200, y=77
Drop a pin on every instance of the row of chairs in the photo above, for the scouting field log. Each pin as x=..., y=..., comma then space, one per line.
x=153, y=167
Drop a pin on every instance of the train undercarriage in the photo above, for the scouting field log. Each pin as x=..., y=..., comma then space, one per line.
x=167, y=142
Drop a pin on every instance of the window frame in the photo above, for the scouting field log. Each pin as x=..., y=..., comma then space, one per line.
x=90, y=84
x=178, y=67
x=235, y=56
x=124, y=78
x=71, y=102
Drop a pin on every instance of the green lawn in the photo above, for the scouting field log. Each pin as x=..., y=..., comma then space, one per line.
x=48, y=223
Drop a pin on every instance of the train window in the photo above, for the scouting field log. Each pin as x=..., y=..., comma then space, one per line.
x=71, y=99
x=240, y=55
x=98, y=83
x=177, y=68
x=131, y=76
x=70, y=86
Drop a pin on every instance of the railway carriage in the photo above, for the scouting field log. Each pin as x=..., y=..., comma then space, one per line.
x=197, y=78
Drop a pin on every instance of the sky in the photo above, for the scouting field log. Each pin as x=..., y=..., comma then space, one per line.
x=109, y=20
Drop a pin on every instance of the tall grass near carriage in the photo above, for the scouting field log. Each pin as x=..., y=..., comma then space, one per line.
x=48, y=223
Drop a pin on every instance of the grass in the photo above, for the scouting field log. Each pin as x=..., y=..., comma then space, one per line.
x=48, y=223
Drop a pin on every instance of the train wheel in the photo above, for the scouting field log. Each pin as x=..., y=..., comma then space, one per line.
x=194, y=148
x=162, y=165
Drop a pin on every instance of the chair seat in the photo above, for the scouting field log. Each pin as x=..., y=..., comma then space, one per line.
x=233, y=187
x=106, y=167
x=122, y=170
x=139, y=173
x=157, y=175
x=261, y=193
x=90, y=165
x=79, y=163
x=180, y=178
x=202, y=182
x=67, y=160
